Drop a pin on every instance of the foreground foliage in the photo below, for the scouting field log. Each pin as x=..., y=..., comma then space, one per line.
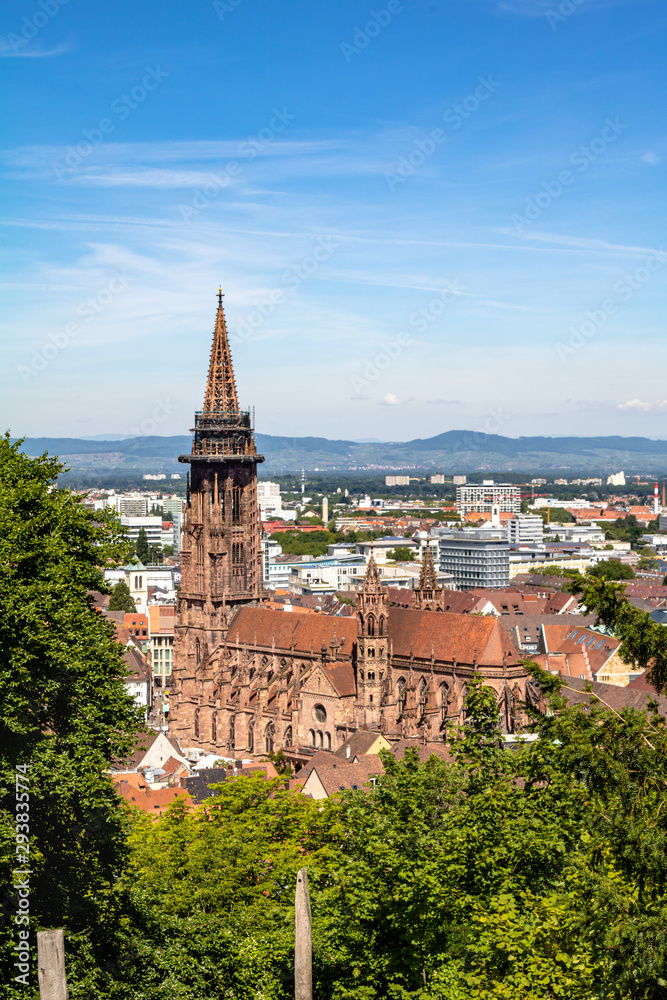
x=526, y=874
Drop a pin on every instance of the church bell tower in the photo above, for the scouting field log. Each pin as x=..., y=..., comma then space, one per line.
x=221, y=563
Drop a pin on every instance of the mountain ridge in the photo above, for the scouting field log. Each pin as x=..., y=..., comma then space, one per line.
x=455, y=450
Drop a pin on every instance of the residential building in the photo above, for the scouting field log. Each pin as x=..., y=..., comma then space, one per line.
x=132, y=504
x=616, y=479
x=438, y=480
x=459, y=480
x=475, y=498
x=525, y=529
x=269, y=499
x=397, y=480
x=173, y=506
x=138, y=680
x=152, y=526
x=475, y=559
x=162, y=620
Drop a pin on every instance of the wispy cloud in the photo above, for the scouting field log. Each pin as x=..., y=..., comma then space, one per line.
x=650, y=158
x=147, y=178
x=642, y=406
x=391, y=399
x=8, y=51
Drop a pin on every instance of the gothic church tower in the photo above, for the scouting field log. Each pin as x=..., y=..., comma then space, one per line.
x=372, y=613
x=221, y=563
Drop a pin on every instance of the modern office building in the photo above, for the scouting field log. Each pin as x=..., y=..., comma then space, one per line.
x=480, y=498
x=525, y=529
x=475, y=559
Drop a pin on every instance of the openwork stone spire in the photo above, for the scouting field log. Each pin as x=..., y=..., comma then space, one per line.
x=221, y=386
x=372, y=580
x=427, y=578
x=428, y=595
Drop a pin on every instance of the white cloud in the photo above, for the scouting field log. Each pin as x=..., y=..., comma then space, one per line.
x=391, y=399
x=650, y=158
x=642, y=406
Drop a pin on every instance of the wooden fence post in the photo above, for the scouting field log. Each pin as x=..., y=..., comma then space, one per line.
x=51, y=965
x=303, y=945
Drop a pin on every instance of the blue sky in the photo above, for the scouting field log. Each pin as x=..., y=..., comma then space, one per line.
x=424, y=215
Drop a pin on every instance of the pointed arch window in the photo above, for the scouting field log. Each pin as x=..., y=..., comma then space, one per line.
x=251, y=736
x=371, y=625
x=328, y=739
x=401, y=695
x=269, y=735
x=236, y=504
x=422, y=697
x=287, y=738
x=197, y=652
x=232, y=732
x=443, y=698
x=214, y=728
x=311, y=734
x=381, y=625
x=196, y=724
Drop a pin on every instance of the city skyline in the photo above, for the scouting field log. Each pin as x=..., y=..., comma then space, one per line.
x=424, y=217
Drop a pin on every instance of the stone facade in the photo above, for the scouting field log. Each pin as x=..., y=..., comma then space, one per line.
x=221, y=559
x=249, y=679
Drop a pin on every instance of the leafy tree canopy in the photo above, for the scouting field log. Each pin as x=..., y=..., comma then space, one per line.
x=121, y=599
x=65, y=715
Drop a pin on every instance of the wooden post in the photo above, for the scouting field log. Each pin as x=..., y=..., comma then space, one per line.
x=51, y=965
x=303, y=945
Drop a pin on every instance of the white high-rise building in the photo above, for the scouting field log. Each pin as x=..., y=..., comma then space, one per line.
x=269, y=499
x=525, y=529
x=474, y=498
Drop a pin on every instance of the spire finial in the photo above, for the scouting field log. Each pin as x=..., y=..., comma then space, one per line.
x=221, y=386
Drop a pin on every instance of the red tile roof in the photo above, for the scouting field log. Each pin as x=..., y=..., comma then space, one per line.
x=467, y=638
x=262, y=626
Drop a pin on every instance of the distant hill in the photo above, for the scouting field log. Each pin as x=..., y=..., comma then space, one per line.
x=452, y=451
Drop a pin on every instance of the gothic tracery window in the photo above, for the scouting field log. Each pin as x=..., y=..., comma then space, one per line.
x=402, y=695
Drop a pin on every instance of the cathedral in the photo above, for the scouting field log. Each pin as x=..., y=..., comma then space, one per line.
x=250, y=679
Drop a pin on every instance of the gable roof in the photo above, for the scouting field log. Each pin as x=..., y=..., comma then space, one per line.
x=359, y=744
x=338, y=776
x=468, y=638
x=611, y=695
x=263, y=626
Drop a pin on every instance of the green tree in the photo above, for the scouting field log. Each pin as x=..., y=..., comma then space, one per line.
x=401, y=554
x=141, y=548
x=155, y=555
x=612, y=569
x=65, y=715
x=121, y=598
